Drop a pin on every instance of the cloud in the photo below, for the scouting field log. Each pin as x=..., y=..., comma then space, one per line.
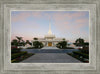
x=84, y=20
x=30, y=25
x=20, y=17
x=75, y=15
x=72, y=23
x=36, y=14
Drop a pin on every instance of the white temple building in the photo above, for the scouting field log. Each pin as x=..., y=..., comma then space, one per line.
x=49, y=39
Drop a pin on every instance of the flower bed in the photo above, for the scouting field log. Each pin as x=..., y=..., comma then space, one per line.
x=17, y=57
x=15, y=50
x=80, y=56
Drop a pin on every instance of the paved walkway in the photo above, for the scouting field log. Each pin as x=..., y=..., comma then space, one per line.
x=51, y=58
x=49, y=48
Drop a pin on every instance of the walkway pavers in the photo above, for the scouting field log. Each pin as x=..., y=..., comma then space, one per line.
x=49, y=48
x=51, y=58
x=50, y=55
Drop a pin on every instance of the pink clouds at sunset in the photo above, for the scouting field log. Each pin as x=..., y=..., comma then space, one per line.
x=20, y=17
x=67, y=24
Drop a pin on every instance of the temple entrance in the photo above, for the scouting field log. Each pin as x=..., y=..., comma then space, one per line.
x=49, y=43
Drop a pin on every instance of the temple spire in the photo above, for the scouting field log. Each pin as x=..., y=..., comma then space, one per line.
x=49, y=32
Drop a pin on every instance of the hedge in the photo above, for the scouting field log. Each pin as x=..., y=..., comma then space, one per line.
x=16, y=55
x=15, y=50
x=81, y=54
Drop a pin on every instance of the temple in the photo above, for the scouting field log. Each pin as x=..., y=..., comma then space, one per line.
x=49, y=39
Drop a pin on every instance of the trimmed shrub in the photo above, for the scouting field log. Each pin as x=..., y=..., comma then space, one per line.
x=37, y=44
x=61, y=44
x=68, y=48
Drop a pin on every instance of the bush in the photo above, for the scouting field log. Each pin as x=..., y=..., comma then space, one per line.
x=16, y=55
x=68, y=48
x=15, y=50
x=61, y=44
x=37, y=44
x=85, y=50
x=81, y=54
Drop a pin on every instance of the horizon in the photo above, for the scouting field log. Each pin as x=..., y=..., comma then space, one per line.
x=70, y=25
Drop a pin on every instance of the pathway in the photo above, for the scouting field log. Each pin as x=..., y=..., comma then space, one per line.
x=49, y=50
x=50, y=55
x=51, y=58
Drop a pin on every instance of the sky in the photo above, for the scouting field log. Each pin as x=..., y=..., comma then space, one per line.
x=70, y=25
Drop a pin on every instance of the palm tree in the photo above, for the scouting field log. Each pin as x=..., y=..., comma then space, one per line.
x=79, y=42
x=27, y=41
x=19, y=40
x=23, y=43
x=63, y=39
x=35, y=38
x=14, y=42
